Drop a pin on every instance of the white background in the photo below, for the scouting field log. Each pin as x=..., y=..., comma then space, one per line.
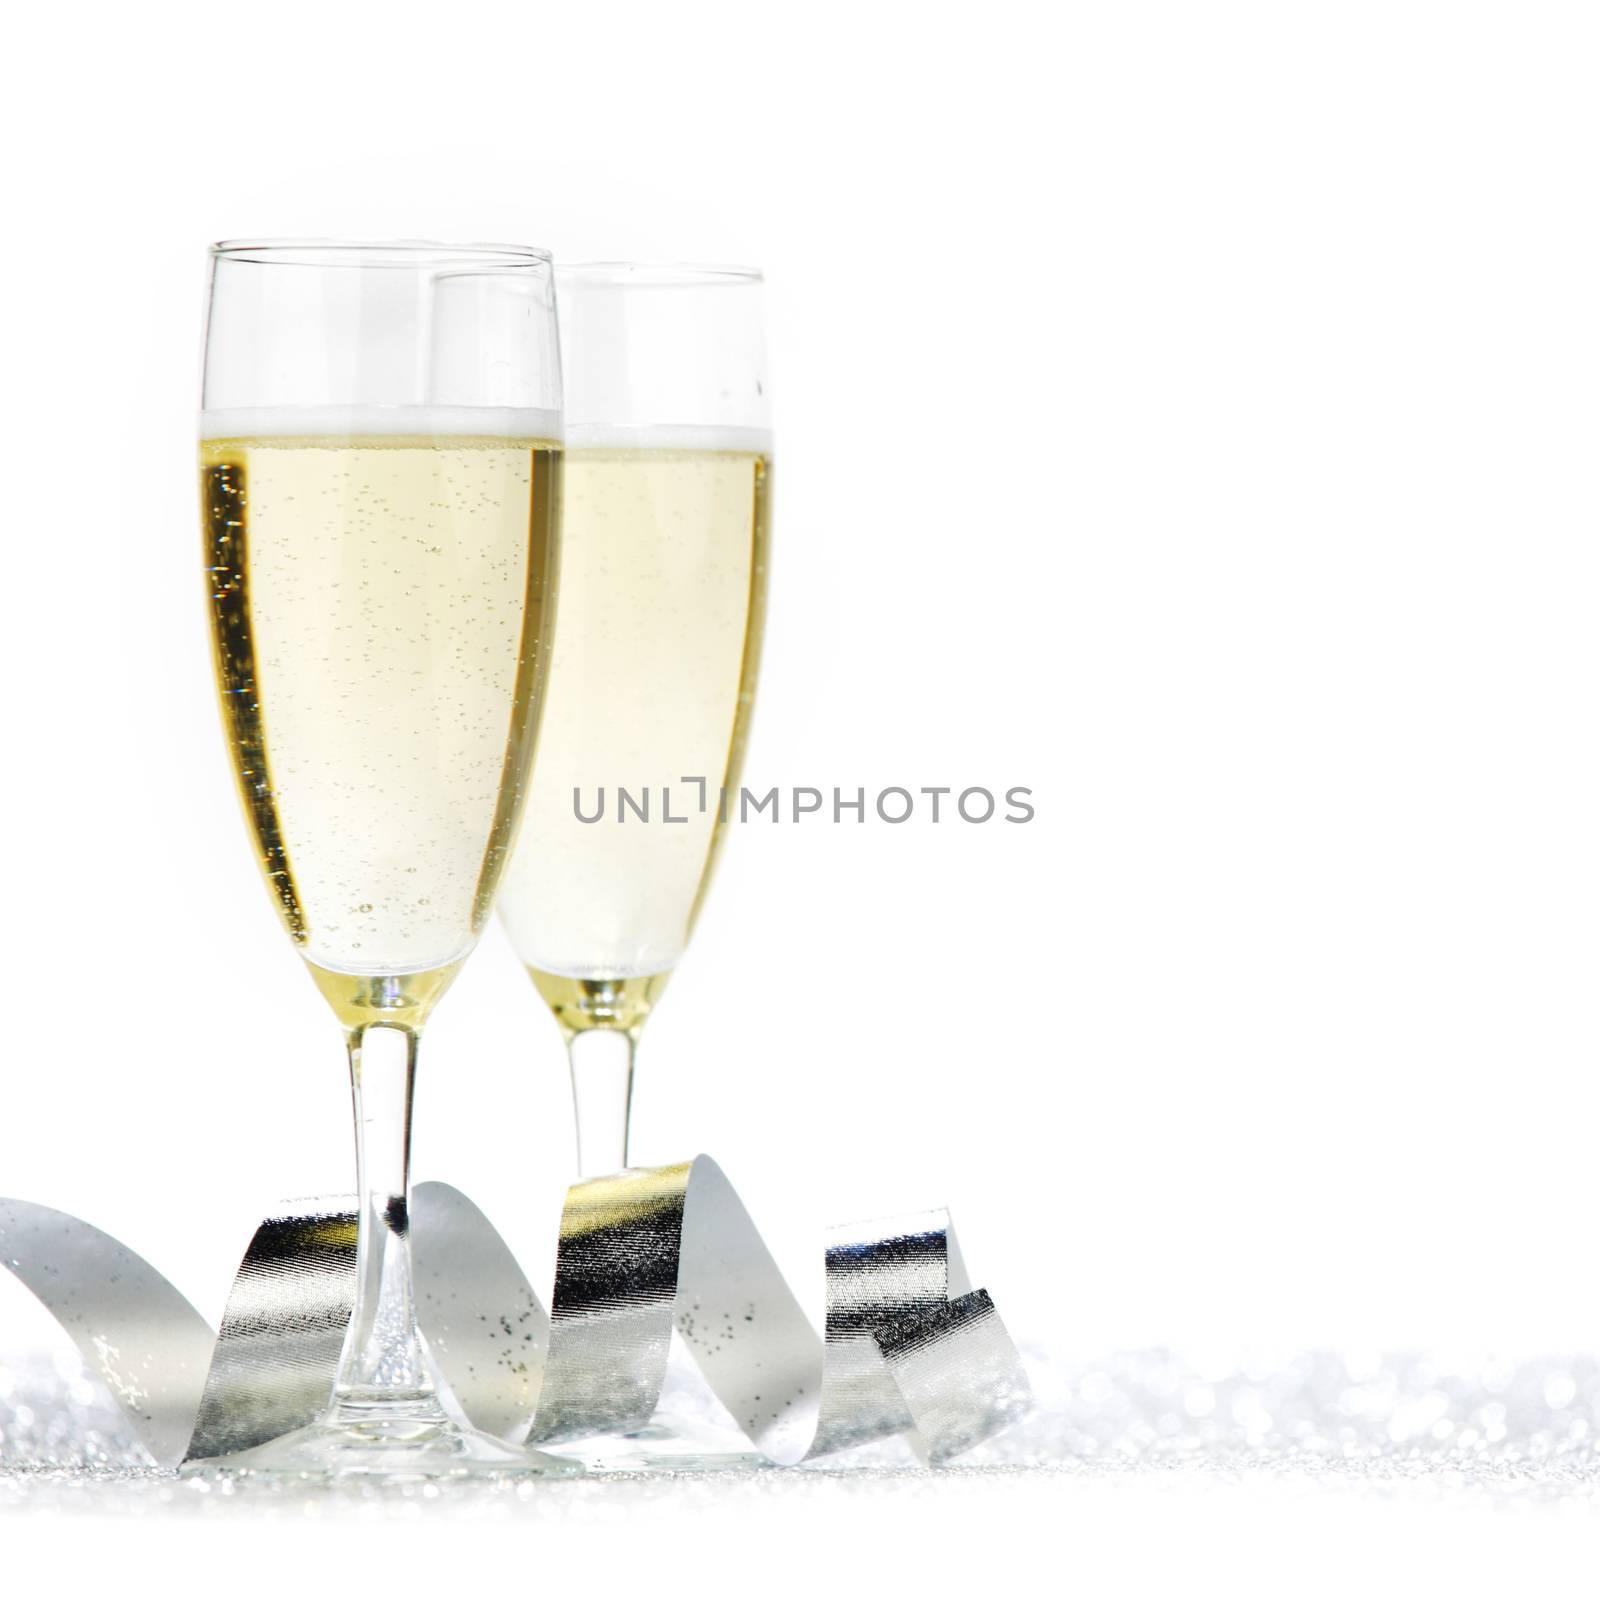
x=1188, y=412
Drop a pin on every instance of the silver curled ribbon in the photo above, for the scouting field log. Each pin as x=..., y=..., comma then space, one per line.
x=908, y=1347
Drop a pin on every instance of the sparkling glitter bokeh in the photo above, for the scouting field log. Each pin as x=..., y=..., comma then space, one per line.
x=1386, y=1423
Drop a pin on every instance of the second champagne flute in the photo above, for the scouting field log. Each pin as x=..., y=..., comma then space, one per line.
x=666, y=488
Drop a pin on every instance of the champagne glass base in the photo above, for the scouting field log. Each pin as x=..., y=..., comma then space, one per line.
x=393, y=1449
x=669, y=1443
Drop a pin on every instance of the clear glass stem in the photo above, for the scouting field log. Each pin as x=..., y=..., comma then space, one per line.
x=602, y=1093
x=384, y=1368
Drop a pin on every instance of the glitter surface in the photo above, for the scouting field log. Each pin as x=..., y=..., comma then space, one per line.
x=1393, y=1424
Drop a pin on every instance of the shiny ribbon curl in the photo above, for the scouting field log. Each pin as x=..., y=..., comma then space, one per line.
x=908, y=1347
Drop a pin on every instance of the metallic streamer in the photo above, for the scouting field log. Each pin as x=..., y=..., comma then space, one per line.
x=135, y=1332
x=907, y=1347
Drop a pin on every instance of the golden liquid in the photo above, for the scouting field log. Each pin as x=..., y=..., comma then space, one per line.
x=663, y=581
x=579, y=1004
x=380, y=624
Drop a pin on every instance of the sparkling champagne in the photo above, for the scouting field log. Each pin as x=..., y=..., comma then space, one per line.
x=380, y=590
x=663, y=577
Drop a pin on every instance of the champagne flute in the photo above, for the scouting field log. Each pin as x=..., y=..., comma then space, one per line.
x=379, y=480
x=664, y=523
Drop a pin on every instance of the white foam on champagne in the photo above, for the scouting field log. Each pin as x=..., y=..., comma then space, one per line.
x=377, y=422
x=668, y=436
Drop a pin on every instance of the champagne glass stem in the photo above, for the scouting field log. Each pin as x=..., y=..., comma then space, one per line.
x=602, y=1094
x=384, y=1365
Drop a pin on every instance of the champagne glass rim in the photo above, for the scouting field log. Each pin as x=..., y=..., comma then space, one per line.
x=659, y=274
x=378, y=253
